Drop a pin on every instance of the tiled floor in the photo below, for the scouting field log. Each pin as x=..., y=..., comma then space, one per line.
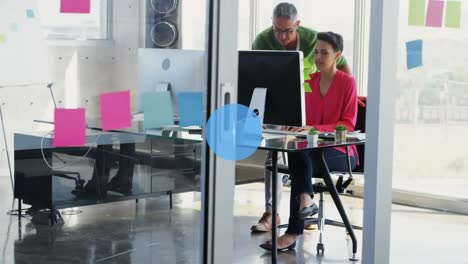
x=149, y=232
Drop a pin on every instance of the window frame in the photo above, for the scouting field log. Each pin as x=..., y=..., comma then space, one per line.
x=55, y=38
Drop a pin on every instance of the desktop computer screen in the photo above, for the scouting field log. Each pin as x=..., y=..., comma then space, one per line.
x=183, y=70
x=281, y=72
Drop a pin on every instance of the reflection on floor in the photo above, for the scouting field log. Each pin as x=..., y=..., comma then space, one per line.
x=148, y=232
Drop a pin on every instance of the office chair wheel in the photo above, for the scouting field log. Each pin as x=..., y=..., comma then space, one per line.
x=320, y=248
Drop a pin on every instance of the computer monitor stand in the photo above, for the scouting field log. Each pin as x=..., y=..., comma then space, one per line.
x=257, y=102
x=163, y=87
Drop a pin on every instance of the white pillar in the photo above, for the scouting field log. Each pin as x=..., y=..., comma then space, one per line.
x=382, y=87
x=219, y=174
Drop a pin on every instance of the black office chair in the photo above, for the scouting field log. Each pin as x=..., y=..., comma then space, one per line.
x=341, y=184
x=79, y=182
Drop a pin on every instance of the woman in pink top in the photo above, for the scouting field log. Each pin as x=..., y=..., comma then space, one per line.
x=333, y=101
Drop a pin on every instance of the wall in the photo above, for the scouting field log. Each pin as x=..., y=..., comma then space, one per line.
x=81, y=70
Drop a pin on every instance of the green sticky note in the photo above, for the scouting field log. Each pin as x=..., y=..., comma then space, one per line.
x=453, y=14
x=2, y=39
x=157, y=110
x=416, y=12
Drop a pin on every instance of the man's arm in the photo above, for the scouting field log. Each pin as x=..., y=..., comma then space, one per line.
x=346, y=69
x=342, y=65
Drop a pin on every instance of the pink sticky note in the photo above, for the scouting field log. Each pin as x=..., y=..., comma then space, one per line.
x=435, y=11
x=75, y=6
x=70, y=127
x=115, y=110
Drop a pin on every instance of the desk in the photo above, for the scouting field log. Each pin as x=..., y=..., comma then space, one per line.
x=293, y=144
x=162, y=165
x=168, y=161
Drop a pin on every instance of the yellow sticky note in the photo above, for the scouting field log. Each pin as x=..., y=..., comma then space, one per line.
x=453, y=14
x=416, y=12
x=2, y=39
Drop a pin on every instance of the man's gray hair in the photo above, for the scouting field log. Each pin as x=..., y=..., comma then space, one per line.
x=285, y=10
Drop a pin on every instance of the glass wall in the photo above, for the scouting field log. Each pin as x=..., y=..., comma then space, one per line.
x=432, y=105
x=103, y=104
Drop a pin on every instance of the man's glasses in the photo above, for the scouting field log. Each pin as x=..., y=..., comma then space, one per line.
x=288, y=31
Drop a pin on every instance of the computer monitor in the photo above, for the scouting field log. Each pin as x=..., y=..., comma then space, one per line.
x=183, y=70
x=281, y=72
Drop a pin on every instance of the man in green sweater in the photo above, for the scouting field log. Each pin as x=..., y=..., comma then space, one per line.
x=287, y=34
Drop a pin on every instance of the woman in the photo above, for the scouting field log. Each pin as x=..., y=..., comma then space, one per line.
x=333, y=101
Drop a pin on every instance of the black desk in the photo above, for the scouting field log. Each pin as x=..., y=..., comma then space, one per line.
x=170, y=158
x=293, y=144
x=165, y=164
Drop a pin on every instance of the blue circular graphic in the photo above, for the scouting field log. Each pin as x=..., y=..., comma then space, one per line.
x=234, y=132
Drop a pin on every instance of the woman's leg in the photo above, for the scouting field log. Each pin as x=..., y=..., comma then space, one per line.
x=302, y=167
x=337, y=160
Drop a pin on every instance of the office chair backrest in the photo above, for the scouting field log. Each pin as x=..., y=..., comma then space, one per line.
x=361, y=125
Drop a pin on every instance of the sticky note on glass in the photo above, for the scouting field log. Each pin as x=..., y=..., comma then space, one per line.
x=157, y=110
x=416, y=12
x=435, y=11
x=115, y=110
x=453, y=14
x=414, y=53
x=30, y=13
x=70, y=127
x=2, y=39
x=75, y=6
x=191, y=108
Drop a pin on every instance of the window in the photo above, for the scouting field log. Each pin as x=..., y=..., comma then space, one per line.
x=432, y=111
x=193, y=27
x=74, y=26
x=244, y=25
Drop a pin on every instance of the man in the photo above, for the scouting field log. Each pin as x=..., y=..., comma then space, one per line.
x=286, y=33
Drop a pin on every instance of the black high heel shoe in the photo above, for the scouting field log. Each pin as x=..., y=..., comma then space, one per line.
x=269, y=247
x=308, y=211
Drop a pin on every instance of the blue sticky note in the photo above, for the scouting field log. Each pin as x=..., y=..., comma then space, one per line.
x=414, y=53
x=30, y=13
x=157, y=110
x=190, y=108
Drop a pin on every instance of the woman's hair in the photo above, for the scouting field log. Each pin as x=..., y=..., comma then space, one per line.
x=332, y=38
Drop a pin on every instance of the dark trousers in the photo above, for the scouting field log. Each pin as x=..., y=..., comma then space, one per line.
x=303, y=165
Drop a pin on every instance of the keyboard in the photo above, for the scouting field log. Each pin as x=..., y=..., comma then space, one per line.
x=303, y=134
x=285, y=132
